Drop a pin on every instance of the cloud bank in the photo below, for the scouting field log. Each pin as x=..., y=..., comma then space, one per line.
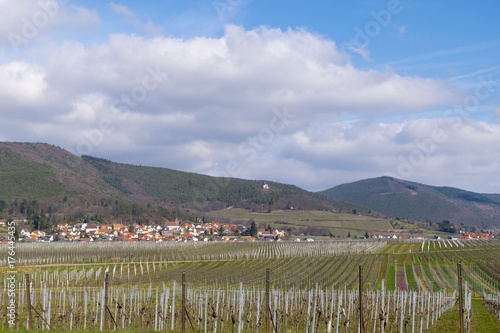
x=261, y=104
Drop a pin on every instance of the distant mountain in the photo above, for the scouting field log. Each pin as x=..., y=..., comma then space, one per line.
x=404, y=199
x=36, y=176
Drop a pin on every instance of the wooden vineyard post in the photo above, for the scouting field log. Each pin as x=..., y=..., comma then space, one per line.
x=105, y=307
x=183, y=302
x=268, y=310
x=361, y=322
x=28, y=296
x=460, y=297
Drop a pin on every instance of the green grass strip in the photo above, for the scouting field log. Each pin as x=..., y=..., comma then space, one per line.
x=448, y=322
x=483, y=319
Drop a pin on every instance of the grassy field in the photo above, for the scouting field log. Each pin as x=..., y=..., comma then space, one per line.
x=482, y=320
x=338, y=224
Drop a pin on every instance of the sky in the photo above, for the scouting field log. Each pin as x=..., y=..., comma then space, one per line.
x=315, y=93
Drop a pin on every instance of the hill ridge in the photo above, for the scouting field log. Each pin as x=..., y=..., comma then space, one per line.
x=44, y=177
x=55, y=180
x=401, y=198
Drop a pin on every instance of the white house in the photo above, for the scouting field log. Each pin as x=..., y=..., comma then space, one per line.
x=25, y=233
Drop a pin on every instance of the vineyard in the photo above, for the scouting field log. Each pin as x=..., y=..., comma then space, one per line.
x=223, y=287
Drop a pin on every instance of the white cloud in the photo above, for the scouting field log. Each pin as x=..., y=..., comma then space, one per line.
x=130, y=17
x=22, y=83
x=242, y=71
x=362, y=51
x=85, y=109
x=78, y=16
x=227, y=10
x=22, y=22
x=434, y=151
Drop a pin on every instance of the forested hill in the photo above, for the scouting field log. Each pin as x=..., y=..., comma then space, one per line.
x=50, y=177
x=404, y=199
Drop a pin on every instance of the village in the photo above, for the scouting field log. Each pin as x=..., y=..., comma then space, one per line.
x=178, y=231
x=167, y=231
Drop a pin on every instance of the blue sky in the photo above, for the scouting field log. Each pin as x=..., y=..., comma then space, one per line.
x=310, y=93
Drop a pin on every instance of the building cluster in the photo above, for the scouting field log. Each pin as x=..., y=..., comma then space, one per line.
x=394, y=236
x=167, y=231
x=473, y=235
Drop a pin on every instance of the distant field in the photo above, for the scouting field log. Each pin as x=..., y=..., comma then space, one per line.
x=338, y=223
